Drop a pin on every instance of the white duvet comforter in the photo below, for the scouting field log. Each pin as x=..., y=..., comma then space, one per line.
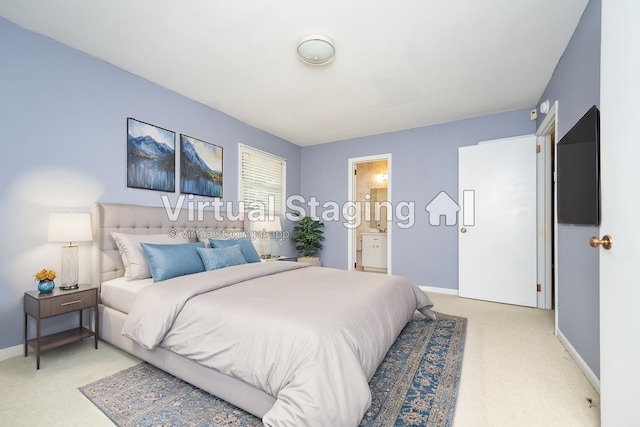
x=312, y=337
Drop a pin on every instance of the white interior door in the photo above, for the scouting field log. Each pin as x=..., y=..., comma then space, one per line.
x=619, y=273
x=497, y=221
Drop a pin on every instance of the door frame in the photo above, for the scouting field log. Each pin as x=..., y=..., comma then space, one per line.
x=351, y=232
x=547, y=219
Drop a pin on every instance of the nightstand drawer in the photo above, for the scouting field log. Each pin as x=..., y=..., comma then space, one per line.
x=67, y=303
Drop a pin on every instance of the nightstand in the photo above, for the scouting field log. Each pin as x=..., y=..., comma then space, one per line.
x=41, y=306
x=279, y=258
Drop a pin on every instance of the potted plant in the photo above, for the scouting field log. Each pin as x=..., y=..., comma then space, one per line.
x=308, y=237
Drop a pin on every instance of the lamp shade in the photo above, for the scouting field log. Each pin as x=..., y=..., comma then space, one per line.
x=266, y=224
x=69, y=227
x=316, y=50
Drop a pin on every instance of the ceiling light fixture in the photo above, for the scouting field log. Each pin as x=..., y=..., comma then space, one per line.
x=316, y=50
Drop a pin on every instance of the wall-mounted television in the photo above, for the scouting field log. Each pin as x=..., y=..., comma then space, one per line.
x=578, y=172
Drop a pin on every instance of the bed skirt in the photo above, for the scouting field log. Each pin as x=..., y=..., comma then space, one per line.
x=232, y=390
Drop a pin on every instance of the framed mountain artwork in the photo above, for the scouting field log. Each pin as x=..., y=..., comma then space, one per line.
x=200, y=167
x=151, y=157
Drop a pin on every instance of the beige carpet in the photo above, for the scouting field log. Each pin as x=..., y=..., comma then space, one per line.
x=515, y=373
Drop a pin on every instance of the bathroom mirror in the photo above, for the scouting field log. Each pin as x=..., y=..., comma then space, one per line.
x=378, y=195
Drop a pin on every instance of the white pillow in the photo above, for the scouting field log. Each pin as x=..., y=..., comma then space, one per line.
x=133, y=257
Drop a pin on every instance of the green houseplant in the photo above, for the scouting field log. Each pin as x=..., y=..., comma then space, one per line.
x=307, y=235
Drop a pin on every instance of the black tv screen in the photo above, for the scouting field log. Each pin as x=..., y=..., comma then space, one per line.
x=578, y=178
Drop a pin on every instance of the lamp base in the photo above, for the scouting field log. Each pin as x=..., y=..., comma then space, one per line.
x=69, y=287
x=69, y=273
x=265, y=245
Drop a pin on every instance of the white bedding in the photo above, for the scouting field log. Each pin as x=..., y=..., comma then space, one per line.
x=119, y=293
x=311, y=337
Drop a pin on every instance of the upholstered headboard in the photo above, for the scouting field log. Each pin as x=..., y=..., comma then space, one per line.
x=135, y=219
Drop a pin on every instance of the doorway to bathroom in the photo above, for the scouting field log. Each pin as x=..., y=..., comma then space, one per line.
x=369, y=235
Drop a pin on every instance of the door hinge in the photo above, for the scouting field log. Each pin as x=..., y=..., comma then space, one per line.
x=539, y=287
x=538, y=148
x=355, y=265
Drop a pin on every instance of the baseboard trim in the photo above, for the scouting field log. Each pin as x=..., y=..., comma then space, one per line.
x=586, y=370
x=9, y=352
x=439, y=290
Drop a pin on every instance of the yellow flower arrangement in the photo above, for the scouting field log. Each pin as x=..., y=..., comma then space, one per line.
x=45, y=274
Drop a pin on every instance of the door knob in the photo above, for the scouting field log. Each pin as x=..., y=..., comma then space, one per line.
x=606, y=242
x=463, y=230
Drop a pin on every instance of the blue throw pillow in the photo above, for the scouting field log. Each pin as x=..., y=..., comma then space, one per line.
x=167, y=261
x=248, y=250
x=215, y=258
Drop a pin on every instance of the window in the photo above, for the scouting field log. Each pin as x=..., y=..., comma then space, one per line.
x=262, y=180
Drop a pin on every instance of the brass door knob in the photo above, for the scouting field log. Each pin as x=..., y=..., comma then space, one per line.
x=606, y=242
x=463, y=230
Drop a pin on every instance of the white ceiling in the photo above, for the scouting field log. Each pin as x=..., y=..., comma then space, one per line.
x=399, y=64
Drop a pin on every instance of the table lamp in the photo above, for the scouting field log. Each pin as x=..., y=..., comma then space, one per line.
x=265, y=226
x=69, y=227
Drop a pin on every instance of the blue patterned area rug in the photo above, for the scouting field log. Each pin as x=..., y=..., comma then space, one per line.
x=416, y=385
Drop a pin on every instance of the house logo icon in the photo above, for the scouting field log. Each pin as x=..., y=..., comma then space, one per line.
x=442, y=205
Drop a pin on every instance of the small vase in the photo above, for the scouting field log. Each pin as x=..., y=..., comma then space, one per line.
x=46, y=286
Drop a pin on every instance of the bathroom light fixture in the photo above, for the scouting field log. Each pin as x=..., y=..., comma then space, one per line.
x=316, y=50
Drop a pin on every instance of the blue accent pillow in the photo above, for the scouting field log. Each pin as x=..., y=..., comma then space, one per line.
x=248, y=250
x=167, y=261
x=215, y=258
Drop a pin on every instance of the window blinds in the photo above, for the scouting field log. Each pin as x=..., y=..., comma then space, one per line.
x=262, y=180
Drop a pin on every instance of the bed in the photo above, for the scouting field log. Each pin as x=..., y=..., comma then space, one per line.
x=291, y=343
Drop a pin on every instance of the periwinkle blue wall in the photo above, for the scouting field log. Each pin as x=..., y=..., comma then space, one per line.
x=575, y=84
x=424, y=162
x=63, y=120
